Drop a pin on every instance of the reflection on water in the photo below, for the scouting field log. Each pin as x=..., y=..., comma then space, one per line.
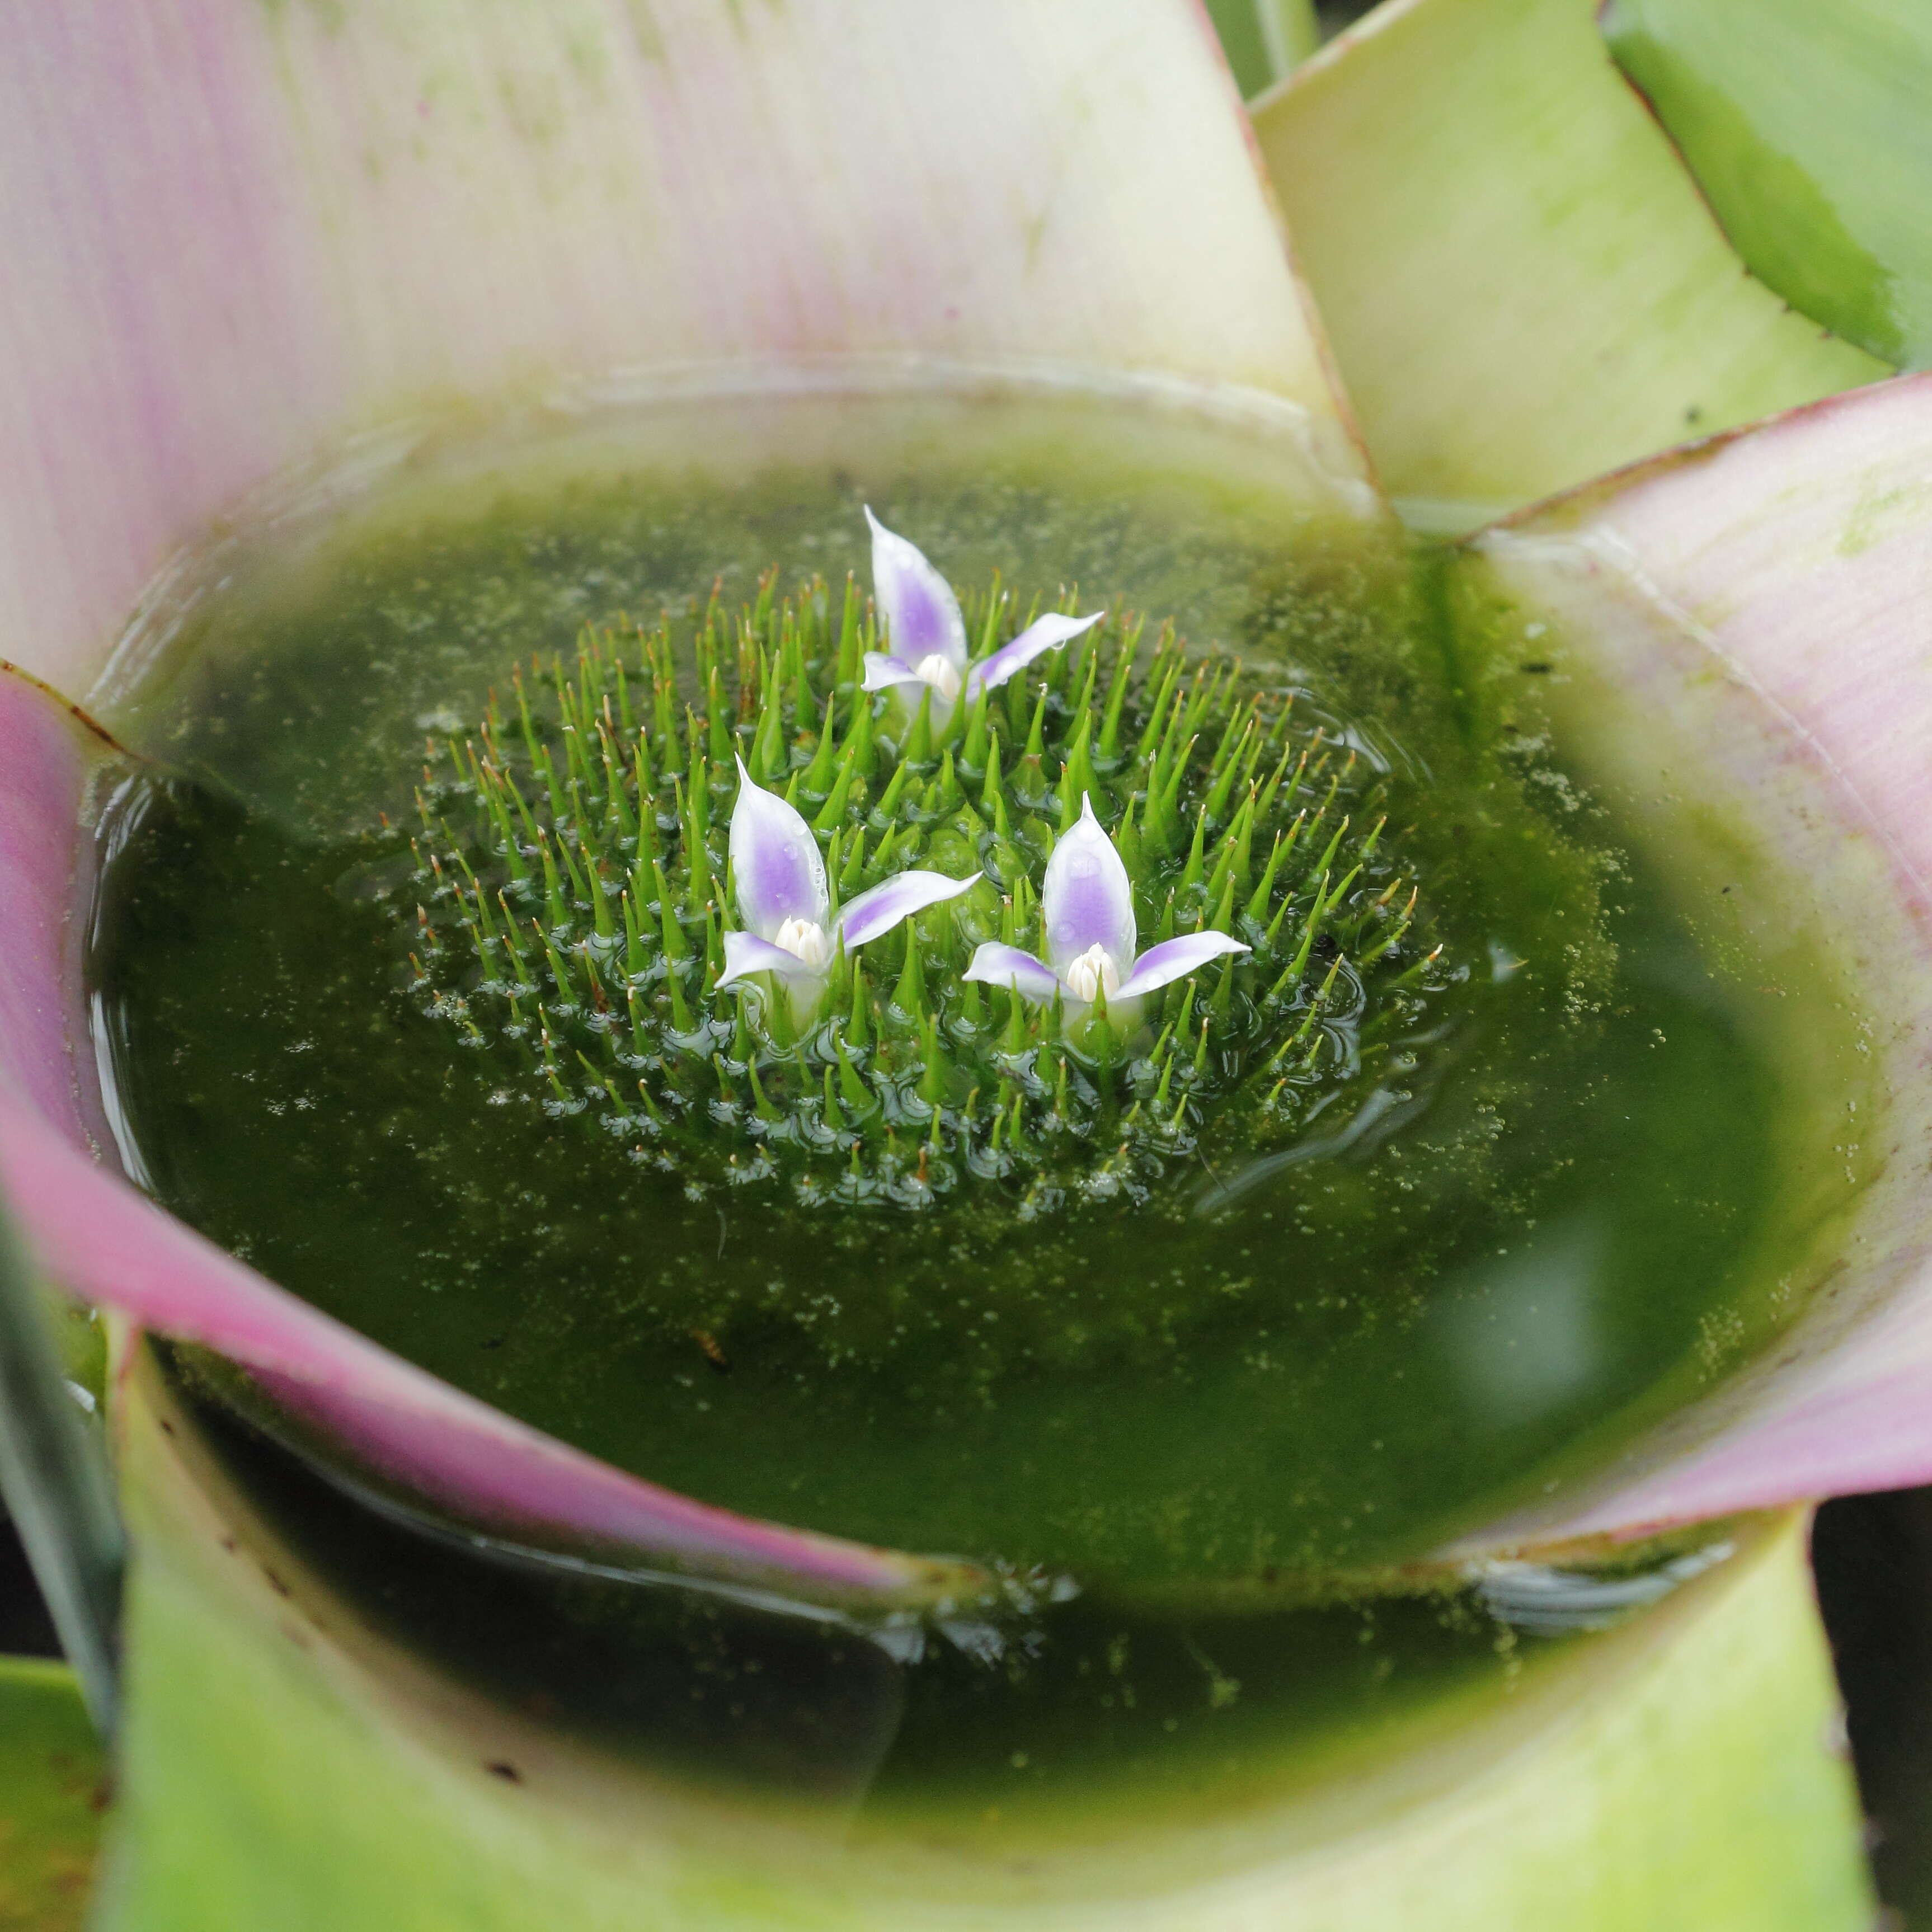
x=1523, y=1329
x=716, y=1684
x=1058, y=1703
x=1537, y=1599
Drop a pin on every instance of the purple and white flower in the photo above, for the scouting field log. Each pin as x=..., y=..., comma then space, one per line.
x=786, y=904
x=920, y=622
x=1087, y=902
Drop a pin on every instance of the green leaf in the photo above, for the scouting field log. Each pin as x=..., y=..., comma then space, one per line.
x=53, y=1784
x=1521, y=286
x=1263, y=39
x=1809, y=128
x=285, y=1764
x=54, y=1479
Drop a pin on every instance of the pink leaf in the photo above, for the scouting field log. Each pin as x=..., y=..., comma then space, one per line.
x=1779, y=582
x=236, y=235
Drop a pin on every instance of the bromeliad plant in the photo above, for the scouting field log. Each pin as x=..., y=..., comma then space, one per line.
x=876, y=1029
x=242, y=233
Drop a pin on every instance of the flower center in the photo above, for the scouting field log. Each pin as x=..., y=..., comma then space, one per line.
x=1094, y=971
x=804, y=939
x=941, y=673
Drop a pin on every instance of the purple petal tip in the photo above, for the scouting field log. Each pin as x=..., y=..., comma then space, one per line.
x=918, y=616
x=1086, y=897
x=774, y=860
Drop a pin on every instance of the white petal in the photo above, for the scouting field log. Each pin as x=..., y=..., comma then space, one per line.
x=997, y=965
x=1086, y=897
x=918, y=614
x=775, y=861
x=879, y=909
x=746, y=953
x=1043, y=634
x=882, y=672
x=1174, y=958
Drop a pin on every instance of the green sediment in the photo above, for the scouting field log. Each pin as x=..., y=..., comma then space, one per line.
x=572, y=898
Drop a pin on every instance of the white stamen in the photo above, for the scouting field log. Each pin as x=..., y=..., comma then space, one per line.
x=941, y=673
x=805, y=939
x=1094, y=971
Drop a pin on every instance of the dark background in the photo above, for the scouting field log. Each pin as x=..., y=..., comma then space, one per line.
x=25, y=1630
x=1874, y=1559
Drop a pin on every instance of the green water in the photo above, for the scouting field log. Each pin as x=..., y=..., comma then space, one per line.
x=1012, y=1731
x=1565, y=1210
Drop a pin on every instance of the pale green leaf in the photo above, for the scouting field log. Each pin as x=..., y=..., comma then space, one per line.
x=53, y=1782
x=1521, y=286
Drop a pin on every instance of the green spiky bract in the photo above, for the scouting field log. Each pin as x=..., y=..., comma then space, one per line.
x=575, y=889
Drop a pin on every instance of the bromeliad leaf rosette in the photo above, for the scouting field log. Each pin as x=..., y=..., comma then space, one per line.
x=829, y=900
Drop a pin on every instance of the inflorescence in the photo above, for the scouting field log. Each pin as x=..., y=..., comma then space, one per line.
x=597, y=860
